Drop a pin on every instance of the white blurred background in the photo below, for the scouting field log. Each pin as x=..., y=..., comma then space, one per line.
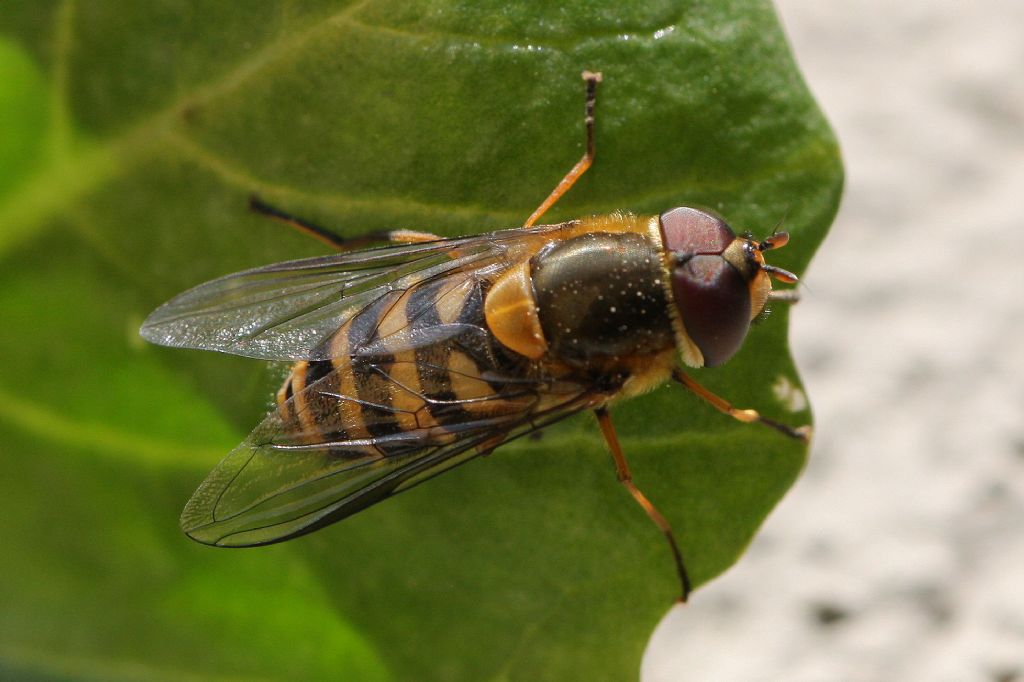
x=900, y=553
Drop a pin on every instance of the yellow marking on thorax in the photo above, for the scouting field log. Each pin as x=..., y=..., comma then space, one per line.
x=511, y=309
x=612, y=222
x=511, y=313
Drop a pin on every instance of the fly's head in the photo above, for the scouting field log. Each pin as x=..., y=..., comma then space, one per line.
x=719, y=282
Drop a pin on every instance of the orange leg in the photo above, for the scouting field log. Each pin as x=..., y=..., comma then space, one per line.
x=583, y=164
x=802, y=433
x=335, y=241
x=626, y=479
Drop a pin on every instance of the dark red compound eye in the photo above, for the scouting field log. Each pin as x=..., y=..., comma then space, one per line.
x=712, y=296
x=691, y=231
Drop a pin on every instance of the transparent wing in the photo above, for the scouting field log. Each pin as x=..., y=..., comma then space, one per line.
x=287, y=311
x=287, y=479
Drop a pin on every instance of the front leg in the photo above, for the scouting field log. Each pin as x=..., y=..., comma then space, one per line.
x=801, y=433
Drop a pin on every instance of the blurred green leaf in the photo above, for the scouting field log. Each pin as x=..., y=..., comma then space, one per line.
x=22, y=115
x=132, y=134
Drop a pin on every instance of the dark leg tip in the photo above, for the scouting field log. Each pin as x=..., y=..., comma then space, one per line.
x=256, y=204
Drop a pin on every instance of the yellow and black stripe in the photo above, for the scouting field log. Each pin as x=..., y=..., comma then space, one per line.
x=387, y=391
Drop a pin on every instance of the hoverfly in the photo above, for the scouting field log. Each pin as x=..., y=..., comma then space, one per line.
x=411, y=359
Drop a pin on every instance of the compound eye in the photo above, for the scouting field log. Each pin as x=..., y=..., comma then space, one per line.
x=687, y=230
x=713, y=300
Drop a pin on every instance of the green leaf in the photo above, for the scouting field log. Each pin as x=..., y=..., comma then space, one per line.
x=132, y=135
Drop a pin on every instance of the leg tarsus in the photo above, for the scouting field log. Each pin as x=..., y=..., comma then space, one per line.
x=324, y=235
x=626, y=479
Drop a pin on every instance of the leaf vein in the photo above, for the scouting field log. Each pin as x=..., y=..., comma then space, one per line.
x=60, y=118
x=49, y=425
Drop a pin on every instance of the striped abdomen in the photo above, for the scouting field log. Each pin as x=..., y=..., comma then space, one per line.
x=416, y=365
